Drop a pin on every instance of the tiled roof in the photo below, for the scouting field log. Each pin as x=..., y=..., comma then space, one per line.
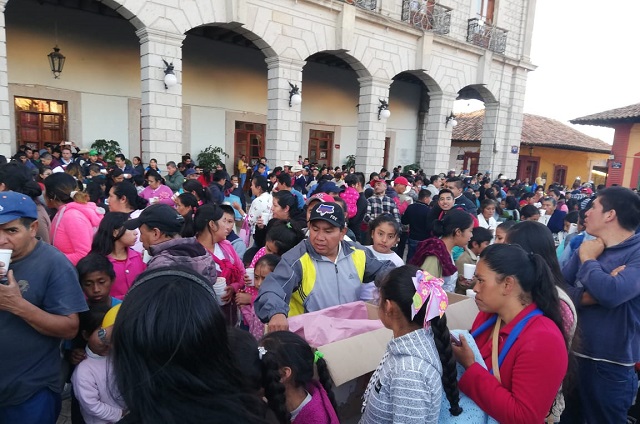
x=611, y=117
x=536, y=131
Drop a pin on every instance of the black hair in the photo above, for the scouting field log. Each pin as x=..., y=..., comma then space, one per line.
x=204, y=215
x=480, y=235
x=128, y=190
x=261, y=182
x=104, y=242
x=624, y=202
x=287, y=349
x=456, y=180
x=351, y=180
x=572, y=217
x=249, y=254
x=120, y=156
x=269, y=260
x=17, y=177
x=155, y=174
x=424, y=194
x=244, y=349
x=533, y=274
x=284, y=179
x=445, y=191
x=453, y=221
x=286, y=198
x=284, y=235
x=361, y=178
x=397, y=286
x=91, y=320
x=511, y=203
x=535, y=237
x=190, y=200
x=506, y=225
x=158, y=376
x=385, y=218
x=95, y=262
x=201, y=192
x=528, y=211
x=219, y=175
x=60, y=185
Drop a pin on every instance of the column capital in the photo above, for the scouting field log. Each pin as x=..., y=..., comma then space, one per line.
x=375, y=82
x=284, y=62
x=147, y=35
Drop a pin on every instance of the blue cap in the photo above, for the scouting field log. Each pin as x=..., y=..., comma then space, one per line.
x=15, y=206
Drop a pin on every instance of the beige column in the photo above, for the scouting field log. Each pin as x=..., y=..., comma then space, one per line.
x=5, y=122
x=371, y=130
x=435, y=146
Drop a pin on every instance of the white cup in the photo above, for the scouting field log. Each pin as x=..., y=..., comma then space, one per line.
x=219, y=289
x=5, y=256
x=251, y=273
x=265, y=217
x=469, y=270
x=471, y=293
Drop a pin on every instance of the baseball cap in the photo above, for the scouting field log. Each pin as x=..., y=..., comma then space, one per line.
x=189, y=171
x=330, y=212
x=373, y=183
x=163, y=217
x=322, y=197
x=93, y=152
x=15, y=205
x=401, y=180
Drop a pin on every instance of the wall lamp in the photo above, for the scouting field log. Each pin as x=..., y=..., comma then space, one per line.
x=294, y=95
x=169, y=75
x=450, y=119
x=383, y=110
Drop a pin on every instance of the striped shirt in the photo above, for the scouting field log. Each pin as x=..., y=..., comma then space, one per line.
x=406, y=387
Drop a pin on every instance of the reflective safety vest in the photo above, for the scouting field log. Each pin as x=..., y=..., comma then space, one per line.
x=296, y=305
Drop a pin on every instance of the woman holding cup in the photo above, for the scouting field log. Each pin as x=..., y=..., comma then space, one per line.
x=212, y=225
x=156, y=191
x=260, y=209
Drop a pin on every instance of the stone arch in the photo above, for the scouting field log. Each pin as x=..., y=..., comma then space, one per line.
x=342, y=59
x=431, y=84
x=234, y=33
x=478, y=92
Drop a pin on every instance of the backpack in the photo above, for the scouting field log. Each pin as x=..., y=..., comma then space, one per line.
x=350, y=197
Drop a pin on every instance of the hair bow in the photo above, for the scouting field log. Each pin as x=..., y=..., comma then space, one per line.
x=429, y=289
x=317, y=355
x=261, y=351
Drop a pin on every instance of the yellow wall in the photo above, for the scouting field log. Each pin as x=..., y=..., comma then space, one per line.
x=633, y=148
x=579, y=164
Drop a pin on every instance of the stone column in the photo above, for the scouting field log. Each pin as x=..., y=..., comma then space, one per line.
x=371, y=130
x=161, y=107
x=284, y=123
x=435, y=145
x=501, y=130
x=5, y=122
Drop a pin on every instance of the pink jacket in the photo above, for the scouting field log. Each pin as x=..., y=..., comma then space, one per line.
x=73, y=227
x=126, y=272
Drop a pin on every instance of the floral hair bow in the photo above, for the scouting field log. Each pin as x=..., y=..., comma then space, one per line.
x=429, y=289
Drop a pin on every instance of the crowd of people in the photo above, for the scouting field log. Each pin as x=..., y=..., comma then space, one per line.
x=153, y=295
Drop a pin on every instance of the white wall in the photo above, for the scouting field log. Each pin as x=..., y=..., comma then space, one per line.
x=105, y=117
x=207, y=128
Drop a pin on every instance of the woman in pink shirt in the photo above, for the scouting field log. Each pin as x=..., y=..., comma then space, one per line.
x=115, y=242
x=156, y=191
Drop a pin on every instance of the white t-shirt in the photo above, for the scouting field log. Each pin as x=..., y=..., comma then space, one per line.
x=369, y=290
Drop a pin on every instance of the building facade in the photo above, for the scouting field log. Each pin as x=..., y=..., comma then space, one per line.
x=236, y=62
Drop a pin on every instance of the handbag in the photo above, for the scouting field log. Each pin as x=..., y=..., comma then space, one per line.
x=245, y=231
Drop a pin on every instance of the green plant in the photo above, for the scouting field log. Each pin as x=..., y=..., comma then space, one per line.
x=351, y=161
x=410, y=167
x=210, y=157
x=109, y=148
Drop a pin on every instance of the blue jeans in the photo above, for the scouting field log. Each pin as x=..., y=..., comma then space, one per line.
x=413, y=244
x=243, y=179
x=41, y=408
x=603, y=393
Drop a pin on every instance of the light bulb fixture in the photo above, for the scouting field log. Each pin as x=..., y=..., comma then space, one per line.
x=450, y=119
x=170, y=78
x=383, y=109
x=56, y=61
x=294, y=95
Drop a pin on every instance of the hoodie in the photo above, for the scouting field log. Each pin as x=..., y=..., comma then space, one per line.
x=183, y=252
x=406, y=387
x=73, y=227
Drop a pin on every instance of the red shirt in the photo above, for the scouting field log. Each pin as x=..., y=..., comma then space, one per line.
x=531, y=372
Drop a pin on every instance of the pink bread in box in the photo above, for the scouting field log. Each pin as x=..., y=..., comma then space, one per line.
x=334, y=324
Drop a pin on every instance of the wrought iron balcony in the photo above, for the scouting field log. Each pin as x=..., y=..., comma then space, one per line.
x=427, y=15
x=363, y=4
x=486, y=35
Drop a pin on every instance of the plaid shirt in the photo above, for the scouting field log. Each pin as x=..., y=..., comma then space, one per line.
x=377, y=205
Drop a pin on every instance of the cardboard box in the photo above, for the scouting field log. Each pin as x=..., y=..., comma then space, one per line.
x=352, y=360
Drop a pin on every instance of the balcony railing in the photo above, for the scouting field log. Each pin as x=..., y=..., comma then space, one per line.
x=486, y=35
x=363, y=4
x=427, y=15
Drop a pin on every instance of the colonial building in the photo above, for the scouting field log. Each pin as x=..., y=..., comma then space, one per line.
x=548, y=149
x=238, y=63
x=623, y=166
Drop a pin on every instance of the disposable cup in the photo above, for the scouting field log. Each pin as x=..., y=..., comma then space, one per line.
x=265, y=217
x=471, y=293
x=219, y=289
x=250, y=273
x=469, y=270
x=5, y=257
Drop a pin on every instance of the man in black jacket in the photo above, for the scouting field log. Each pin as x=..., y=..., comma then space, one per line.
x=456, y=185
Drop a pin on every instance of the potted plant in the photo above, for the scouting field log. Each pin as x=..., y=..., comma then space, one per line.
x=109, y=148
x=210, y=157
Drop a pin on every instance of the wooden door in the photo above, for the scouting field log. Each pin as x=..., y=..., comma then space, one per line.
x=40, y=121
x=320, y=147
x=560, y=174
x=249, y=141
x=528, y=167
x=387, y=147
x=470, y=162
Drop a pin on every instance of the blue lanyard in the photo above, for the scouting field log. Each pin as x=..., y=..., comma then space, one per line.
x=513, y=336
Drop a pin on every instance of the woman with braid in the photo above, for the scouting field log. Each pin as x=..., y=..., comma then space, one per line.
x=418, y=365
x=521, y=336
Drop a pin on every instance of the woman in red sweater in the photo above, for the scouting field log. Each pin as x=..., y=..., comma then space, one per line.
x=519, y=309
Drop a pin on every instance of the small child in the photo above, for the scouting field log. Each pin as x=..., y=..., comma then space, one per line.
x=246, y=297
x=385, y=234
x=115, y=242
x=308, y=400
x=480, y=239
x=92, y=380
x=501, y=231
x=281, y=237
x=96, y=276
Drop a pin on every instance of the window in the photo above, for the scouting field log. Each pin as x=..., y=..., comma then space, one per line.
x=484, y=9
x=320, y=147
x=249, y=141
x=560, y=174
x=40, y=121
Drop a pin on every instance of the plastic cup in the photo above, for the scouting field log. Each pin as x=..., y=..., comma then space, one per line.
x=5, y=256
x=250, y=272
x=219, y=289
x=469, y=270
x=265, y=217
x=471, y=293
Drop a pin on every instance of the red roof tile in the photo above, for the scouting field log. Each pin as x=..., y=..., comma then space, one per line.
x=536, y=131
x=608, y=118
